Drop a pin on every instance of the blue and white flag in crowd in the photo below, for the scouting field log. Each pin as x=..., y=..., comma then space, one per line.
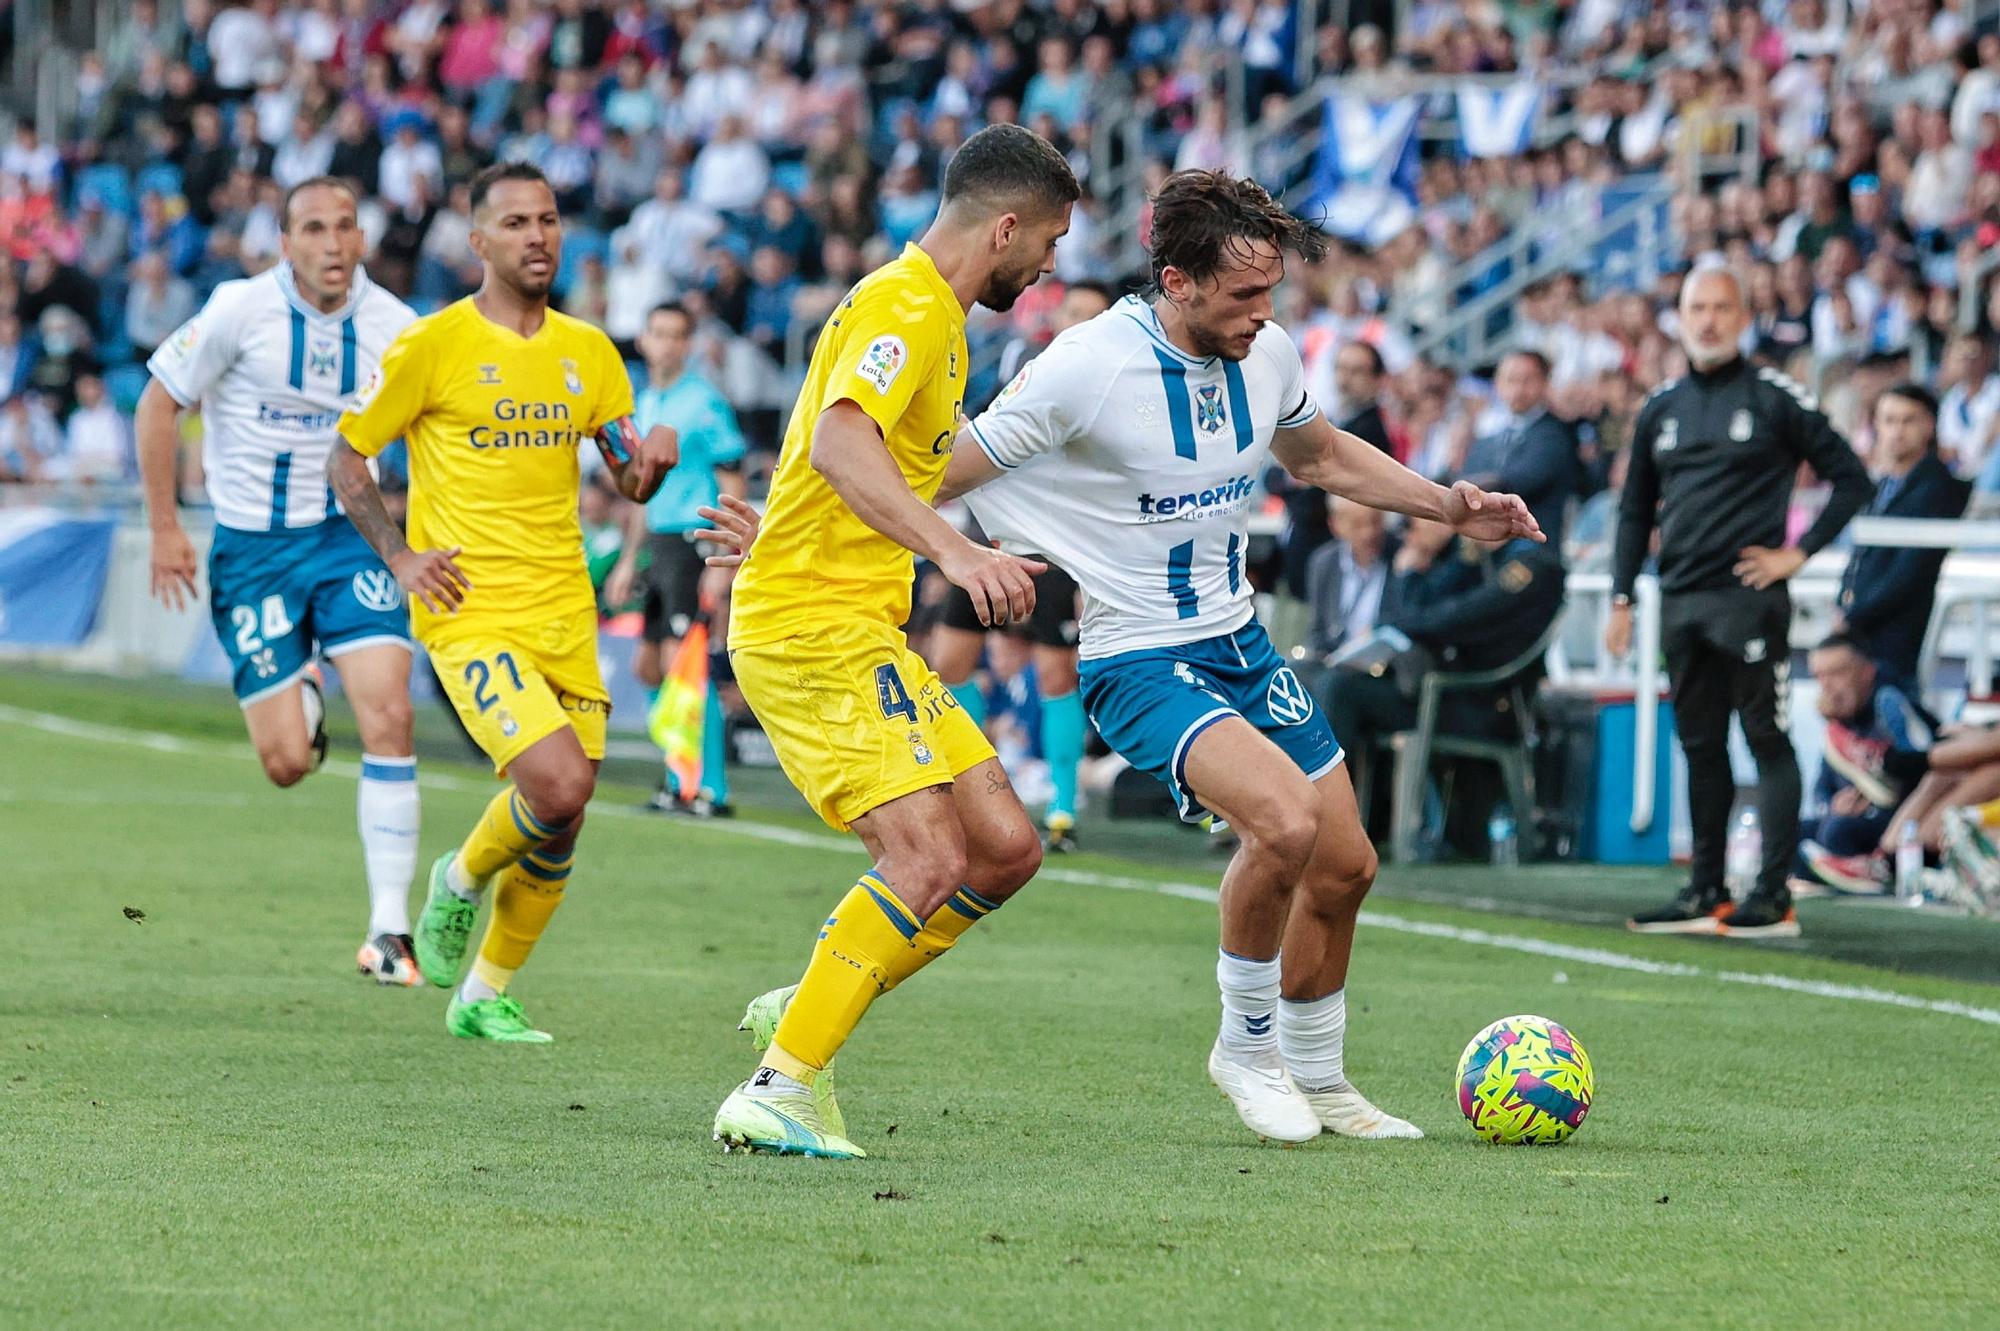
x=52, y=570
x=1366, y=179
x=1498, y=122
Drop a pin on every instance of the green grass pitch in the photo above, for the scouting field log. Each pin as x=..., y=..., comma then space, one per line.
x=207, y=1119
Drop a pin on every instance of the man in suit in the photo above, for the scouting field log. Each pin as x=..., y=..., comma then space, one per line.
x=1347, y=577
x=1357, y=374
x=1534, y=454
x=1886, y=594
x=1474, y=606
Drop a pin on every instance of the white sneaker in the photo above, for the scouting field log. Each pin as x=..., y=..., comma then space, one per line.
x=1347, y=1112
x=1264, y=1096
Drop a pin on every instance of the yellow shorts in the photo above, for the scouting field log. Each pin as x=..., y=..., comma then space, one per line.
x=515, y=684
x=856, y=717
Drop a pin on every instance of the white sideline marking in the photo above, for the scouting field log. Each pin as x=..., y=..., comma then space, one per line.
x=1541, y=947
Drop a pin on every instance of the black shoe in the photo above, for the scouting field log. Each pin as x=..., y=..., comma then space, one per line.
x=1760, y=915
x=1690, y=912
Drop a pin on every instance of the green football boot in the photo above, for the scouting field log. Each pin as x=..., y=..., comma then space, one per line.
x=499, y=1019
x=761, y=1020
x=779, y=1122
x=443, y=928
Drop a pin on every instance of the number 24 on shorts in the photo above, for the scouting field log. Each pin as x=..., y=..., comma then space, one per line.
x=480, y=676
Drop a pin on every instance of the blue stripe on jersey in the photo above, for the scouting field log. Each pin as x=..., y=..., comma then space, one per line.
x=1173, y=378
x=1239, y=408
x=1235, y=550
x=1180, y=580
x=297, y=378
x=281, y=483
x=349, y=362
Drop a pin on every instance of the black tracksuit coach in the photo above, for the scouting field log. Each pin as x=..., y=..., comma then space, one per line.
x=1716, y=453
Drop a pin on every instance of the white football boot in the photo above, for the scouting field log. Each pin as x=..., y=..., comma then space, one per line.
x=1346, y=1111
x=1264, y=1096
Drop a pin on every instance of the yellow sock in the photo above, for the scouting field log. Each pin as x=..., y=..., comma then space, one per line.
x=871, y=943
x=503, y=834
x=524, y=899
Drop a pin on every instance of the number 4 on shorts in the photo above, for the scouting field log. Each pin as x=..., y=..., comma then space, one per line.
x=895, y=699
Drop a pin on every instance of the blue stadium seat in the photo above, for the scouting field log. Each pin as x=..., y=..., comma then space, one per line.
x=162, y=178
x=791, y=177
x=125, y=383
x=108, y=181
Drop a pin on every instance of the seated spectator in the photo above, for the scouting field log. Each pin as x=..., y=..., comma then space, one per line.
x=626, y=170
x=1969, y=410
x=65, y=354
x=670, y=230
x=157, y=304
x=97, y=440
x=772, y=289
x=1534, y=455
x=731, y=173
x=1962, y=774
x=1876, y=741
x=1886, y=594
x=29, y=438
x=1474, y=606
x=1347, y=577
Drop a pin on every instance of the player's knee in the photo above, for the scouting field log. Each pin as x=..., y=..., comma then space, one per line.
x=284, y=765
x=559, y=799
x=386, y=723
x=1284, y=832
x=1016, y=856
x=1341, y=881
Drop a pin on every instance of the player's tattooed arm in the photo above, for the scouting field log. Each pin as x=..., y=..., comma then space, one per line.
x=639, y=465
x=432, y=576
x=1349, y=466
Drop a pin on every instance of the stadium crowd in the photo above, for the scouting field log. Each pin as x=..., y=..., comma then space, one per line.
x=750, y=159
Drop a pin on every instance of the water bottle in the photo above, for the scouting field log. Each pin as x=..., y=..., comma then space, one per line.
x=1501, y=837
x=1909, y=865
x=1744, y=856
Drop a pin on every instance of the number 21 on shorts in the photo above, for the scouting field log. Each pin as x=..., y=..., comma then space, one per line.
x=480, y=675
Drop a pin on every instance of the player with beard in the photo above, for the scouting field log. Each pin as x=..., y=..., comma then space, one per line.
x=495, y=394
x=864, y=729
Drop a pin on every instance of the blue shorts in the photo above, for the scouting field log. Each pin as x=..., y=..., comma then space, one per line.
x=1149, y=705
x=278, y=597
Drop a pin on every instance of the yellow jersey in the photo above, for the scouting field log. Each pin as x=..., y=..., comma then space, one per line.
x=896, y=349
x=493, y=421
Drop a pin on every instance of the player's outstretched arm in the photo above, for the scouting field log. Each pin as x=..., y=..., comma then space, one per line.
x=1346, y=465
x=432, y=576
x=156, y=429
x=847, y=449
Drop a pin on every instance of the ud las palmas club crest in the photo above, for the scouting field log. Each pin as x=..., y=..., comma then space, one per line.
x=571, y=379
x=1209, y=413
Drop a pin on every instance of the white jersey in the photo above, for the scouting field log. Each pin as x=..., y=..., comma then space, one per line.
x=273, y=375
x=1133, y=466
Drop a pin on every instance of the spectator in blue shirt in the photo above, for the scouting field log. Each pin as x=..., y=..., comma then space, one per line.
x=674, y=585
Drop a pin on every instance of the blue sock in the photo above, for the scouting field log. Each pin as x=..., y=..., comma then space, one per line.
x=1063, y=727
x=972, y=698
x=715, y=749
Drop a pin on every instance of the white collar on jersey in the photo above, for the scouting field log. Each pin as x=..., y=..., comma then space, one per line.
x=1140, y=311
x=357, y=291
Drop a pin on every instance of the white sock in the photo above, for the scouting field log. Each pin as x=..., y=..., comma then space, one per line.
x=1249, y=1003
x=461, y=883
x=314, y=707
x=476, y=990
x=387, y=811
x=1313, y=1038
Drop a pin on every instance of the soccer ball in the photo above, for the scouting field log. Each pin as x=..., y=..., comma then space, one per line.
x=1525, y=1081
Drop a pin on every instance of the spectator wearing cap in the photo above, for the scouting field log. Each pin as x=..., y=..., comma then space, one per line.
x=1886, y=593
x=1968, y=415
x=1874, y=226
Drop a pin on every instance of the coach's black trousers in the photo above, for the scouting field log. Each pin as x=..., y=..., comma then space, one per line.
x=1728, y=651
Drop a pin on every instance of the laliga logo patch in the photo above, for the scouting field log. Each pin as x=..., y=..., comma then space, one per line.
x=184, y=340
x=1739, y=426
x=571, y=379
x=376, y=588
x=1014, y=385
x=369, y=389
x=1287, y=698
x=882, y=362
x=1209, y=414
x=1670, y=436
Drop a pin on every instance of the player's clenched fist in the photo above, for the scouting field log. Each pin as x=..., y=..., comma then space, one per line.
x=656, y=455
x=433, y=577
x=1002, y=586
